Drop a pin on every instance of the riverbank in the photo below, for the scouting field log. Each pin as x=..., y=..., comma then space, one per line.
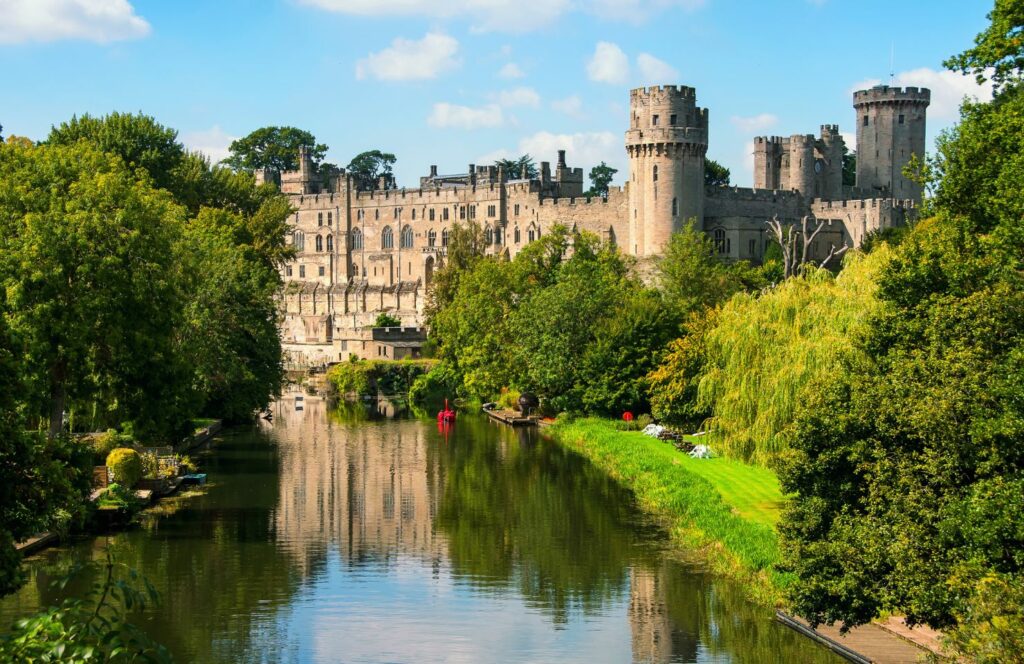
x=724, y=508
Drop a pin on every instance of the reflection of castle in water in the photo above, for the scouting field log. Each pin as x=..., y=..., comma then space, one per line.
x=369, y=491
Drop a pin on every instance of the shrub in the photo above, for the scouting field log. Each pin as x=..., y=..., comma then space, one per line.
x=125, y=466
x=387, y=320
x=508, y=399
x=643, y=421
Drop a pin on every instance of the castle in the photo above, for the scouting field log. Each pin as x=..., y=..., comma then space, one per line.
x=360, y=253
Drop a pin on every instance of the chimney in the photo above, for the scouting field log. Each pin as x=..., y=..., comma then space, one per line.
x=433, y=170
x=561, y=159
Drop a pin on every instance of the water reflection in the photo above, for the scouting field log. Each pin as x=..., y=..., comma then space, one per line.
x=345, y=535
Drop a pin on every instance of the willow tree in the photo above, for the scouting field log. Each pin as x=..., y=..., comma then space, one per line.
x=764, y=351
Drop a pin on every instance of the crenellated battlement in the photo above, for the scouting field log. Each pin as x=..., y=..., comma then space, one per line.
x=886, y=94
x=823, y=205
x=614, y=193
x=682, y=91
x=749, y=194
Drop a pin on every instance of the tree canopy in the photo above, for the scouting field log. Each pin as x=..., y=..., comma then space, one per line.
x=274, y=148
x=715, y=175
x=514, y=167
x=367, y=168
x=600, y=179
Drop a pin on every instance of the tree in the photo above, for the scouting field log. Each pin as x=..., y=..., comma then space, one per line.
x=274, y=148
x=715, y=175
x=466, y=246
x=849, y=167
x=367, y=168
x=139, y=140
x=514, y=167
x=87, y=257
x=387, y=320
x=796, y=244
x=998, y=52
x=690, y=276
x=600, y=178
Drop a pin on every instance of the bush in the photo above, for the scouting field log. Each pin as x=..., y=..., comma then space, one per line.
x=508, y=399
x=387, y=320
x=431, y=388
x=643, y=421
x=107, y=442
x=117, y=496
x=125, y=466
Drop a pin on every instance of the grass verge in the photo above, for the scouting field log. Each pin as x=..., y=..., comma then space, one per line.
x=726, y=509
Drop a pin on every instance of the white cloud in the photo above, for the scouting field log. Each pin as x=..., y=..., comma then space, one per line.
x=754, y=123
x=409, y=60
x=50, y=20
x=655, y=71
x=583, y=150
x=571, y=106
x=948, y=89
x=518, y=97
x=608, y=64
x=484, y=15
x=212, y=142
x=453, y=116
x=511, y=70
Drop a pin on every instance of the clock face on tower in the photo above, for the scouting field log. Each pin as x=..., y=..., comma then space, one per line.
x=817, y=166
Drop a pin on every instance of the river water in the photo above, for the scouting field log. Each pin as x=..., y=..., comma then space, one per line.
x=350, y=536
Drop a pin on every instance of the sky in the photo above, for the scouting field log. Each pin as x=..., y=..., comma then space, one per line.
x=454, y=82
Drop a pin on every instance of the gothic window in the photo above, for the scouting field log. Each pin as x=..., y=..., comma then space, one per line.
x=720, y=241
x=406, y=240
x=302, y=272
x=330, y=243
x=357, y=239
x=298, y=241
x=387, y=238
x=319, y=218
x=530, y=234
x=655, y=173
x=497, y=235
x=431, y=237
x=444, y=214
x=319, y=243
x=330, y=218
x=462, y=212
x=288, y=270
x=516, y=235
x=431, y=217
x=444, y=238
x=472, y=212
x=675, y=207
x=517, y=209
x=488, y=236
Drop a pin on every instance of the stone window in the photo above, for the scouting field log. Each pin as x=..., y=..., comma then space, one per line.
x=376, y=214
x=472, y=212
x=444, y=238
x=398, y=212
x=431, y=237
x=330, y=218
x=654, y=120
x=330, y=243
x=721, y=242
x=344, y=345
x=444, y=214
x=414, y=214
x=302, y=272
x=516, y=235
x=321, y=270
x=901, y=118
x=431, y=216
x=492, y=210
x=288, y=270
x=497, y=235
x=489, y=236
x=517, y=209
x=319, y=243
x=655, y=173
x=319, y=218
x=752, y=248
x=866, y=121
x=357, y=239
x=299, y=240
x=462, y=212
x=675, y=207
x=387, y=238
x=406, y=240
x=672, y=119
x=530, y=234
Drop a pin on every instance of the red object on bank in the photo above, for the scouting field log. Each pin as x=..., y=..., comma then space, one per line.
x=627, y=416
x=446, y=415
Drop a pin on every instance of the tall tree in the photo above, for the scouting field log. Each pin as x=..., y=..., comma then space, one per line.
x=849, y=167
x=600, y=179
x=367, y=169
x=690, y=276
x=514, y=168
x=998, y=52
x=274, y=148
x=715, y=175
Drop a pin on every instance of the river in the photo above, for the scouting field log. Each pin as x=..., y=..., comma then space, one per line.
x=351, y=536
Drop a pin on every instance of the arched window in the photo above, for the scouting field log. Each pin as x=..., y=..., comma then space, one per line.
x=330, y=243
x=720, y=241
x=488, y=236
x=517, y=236
x=299, y=240
x=655, y=173
x=431, y=237
x=387, y=238
x=319, y=243
x=357, y=239
x=444, y=238
x=675, y=207
x=497, y=235
x=531, y=234
x=406, y=239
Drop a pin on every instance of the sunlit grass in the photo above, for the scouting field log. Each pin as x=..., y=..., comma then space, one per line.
x=725, y=507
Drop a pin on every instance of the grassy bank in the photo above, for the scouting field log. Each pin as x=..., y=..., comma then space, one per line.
x=726, y=509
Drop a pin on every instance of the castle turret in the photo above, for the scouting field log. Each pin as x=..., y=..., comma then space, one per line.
x=666, y=143
x=890, y=130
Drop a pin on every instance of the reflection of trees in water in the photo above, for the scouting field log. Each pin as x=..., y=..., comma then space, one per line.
x=528, y=513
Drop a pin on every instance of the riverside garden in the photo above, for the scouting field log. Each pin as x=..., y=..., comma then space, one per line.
x=866, y=423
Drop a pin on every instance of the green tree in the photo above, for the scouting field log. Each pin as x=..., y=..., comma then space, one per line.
x=690, y=276
x=274, y=148
x=715, y=175
x=387, y=320
x=672, y=384
x=87, y=257
x=998, y=52
x=600, y=179
x=367, y=168
x=465, y=248
x=514, y=167
x=849, y=167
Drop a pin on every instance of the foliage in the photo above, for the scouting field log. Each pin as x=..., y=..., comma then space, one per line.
x=370, y=377
x=118, y=496
x=715, y=175
x=274, y=148
x=672, y=385
x=764, y=351
x=466, y=246
x=91, y=629
x=432, y=388
x=722, y=506
x=107, y=442
x=367, y=168
x=514, y=167
x=998, y=52
x=385, y=319
x=600, y=178
x=125, y=466
x=508, y=399
x=849, y=167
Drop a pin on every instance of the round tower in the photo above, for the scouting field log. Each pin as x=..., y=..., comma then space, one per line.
x=890, y=130
x=666, y=144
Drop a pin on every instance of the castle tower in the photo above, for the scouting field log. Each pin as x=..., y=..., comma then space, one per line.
x=666, y=144
x=890, y=129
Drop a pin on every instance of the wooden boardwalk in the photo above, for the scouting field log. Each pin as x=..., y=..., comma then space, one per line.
x=867, y=644
x=511, y=418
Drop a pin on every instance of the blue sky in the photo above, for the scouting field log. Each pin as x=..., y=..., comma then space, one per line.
x=452, y=82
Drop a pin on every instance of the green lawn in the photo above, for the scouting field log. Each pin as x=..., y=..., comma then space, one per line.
x=725, y=507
